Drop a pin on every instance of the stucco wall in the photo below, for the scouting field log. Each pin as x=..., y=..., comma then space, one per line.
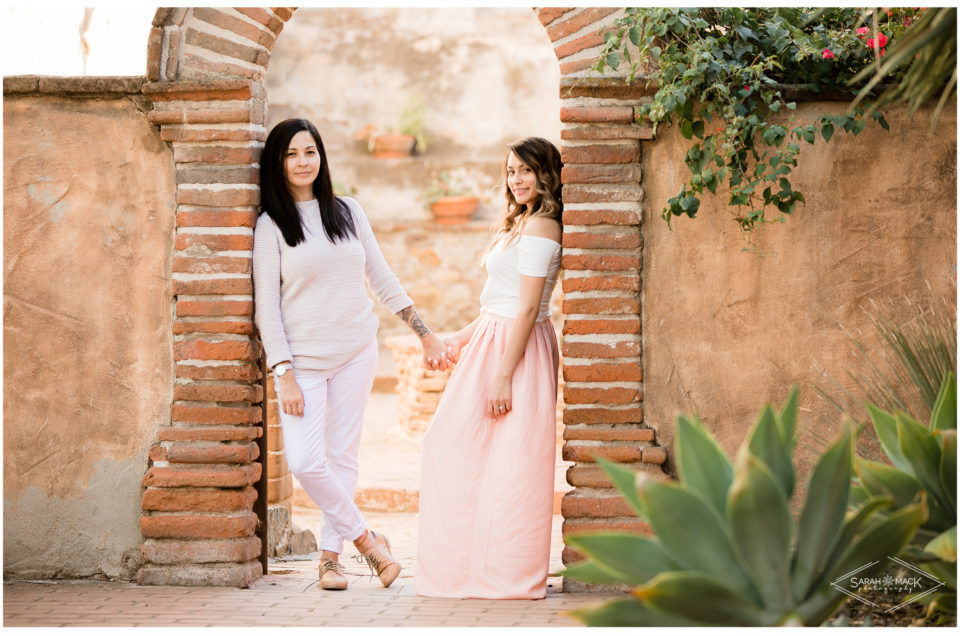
x=87, y=238
x=487, y=76
x=726, y=330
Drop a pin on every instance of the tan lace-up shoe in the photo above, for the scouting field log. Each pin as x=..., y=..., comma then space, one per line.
x=381, y=560
x=331, y=575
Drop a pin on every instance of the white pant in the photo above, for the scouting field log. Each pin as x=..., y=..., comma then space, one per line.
x=321, y=445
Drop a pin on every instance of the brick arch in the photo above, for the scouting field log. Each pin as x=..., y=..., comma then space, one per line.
x=205, y=77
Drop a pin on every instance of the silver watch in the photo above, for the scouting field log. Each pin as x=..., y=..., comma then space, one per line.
x=281, y=369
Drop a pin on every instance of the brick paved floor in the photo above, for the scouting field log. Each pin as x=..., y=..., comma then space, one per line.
x=288, y=596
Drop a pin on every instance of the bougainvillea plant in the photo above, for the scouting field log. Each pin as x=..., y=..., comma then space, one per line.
x=724, y=75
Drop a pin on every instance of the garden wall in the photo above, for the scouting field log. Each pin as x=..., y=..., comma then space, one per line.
x=726, y=330
x=88, y=206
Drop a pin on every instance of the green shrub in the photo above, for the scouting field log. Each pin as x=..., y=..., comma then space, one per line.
x=727, y=550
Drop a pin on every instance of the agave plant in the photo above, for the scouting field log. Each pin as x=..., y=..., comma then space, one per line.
x=726, y=549
x=924, y=462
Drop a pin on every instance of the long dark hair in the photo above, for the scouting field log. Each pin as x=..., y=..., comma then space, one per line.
x=275, y=198
x=544, y=159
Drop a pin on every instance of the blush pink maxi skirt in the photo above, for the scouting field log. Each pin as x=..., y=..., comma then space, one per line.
x=486, y=486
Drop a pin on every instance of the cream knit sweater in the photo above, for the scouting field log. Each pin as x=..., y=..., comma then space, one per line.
x=312, y=306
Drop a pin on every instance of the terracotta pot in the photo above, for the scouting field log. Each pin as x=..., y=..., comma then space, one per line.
x=453, y=210
x=393, y=146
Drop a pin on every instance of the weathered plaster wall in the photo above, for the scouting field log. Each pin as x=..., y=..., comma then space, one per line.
x=87, y=238
x=487, y=77
x=727, y=330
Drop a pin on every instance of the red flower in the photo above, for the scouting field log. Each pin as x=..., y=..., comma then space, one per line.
x=746, y=88
x=827, y=54
x=881, y=40
x=862, y=31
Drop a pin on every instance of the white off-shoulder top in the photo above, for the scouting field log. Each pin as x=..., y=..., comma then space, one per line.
x=529, y=256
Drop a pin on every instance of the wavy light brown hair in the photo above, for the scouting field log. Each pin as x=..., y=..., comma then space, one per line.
x=544, y=159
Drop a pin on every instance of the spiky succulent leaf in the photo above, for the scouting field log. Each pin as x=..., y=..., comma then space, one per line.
x=881, y=479
x=703, y=598
x=701, y=462
x=630, y=558
x=589, y=572
x=787, y=419
x=948, y=469
x=885, y=426
x=625, y=481
x=920, y=448
x=944, y=415
x=628, y=612
x=765, y=440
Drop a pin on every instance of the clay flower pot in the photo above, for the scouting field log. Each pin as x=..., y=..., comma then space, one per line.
x=453, y=210
x=393, y=146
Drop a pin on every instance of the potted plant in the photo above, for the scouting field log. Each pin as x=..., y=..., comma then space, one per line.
x=393, y=142
x=452, y=197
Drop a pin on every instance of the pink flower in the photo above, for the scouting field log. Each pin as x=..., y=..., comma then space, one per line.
x=863, y=31
x=827, y=54
x=881, y=41
x=746, y=88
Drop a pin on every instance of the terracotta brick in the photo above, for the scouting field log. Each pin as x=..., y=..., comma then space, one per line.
x=213, y=265
x=217, y=218
x=215, y=415
x=592, y=476
x=546, y=15
x=154, y=53
x=247, y=372
x=197, y=67
x=214, y=197
x=264, y=17
x=203, y=476
x=172, y=35
x=198, y=526
x=279, y=489
x=601, y=217
x=598, y=133
x=569, y=556
x=243, y=327
x=608, y=505
x=602, y=283
x=218, y=392
x=571, y=526
x=157, y=454
x=566, y=68
x=277, y=466
x=598, y=415
x=624, y=372
x=213, y=453
x=214, y=242
x=214, y=90
x=215, y=307
x=617, y=395
x=615, y=305
x=609, y=87
x=223, y=286
x=210, y=551
x=567, y=26
x=575, y=46
x=284, y=13
x=601, y=240
x=275, y=438
x=220, y=18
x=655, y=454
x=624, y=152
x=183, y=153
x=196, y=134
x=224, y=350
x=198, y=500
x=237, y=575
x=601, y=262
x=602, y=173
x=251, y=113
x=205, y=175
x=602, y=193
x=223, y=46
x=621, y=349
x=609, y=433
x=597, y=114
x=231, y=433
x=165, y=117
x=601, y=326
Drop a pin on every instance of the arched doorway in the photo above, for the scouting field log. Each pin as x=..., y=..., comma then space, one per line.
x=206, y=70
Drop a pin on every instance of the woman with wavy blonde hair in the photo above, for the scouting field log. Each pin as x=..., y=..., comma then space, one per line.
x=486, y=488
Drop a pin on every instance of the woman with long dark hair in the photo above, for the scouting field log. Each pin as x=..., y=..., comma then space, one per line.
x=313, y=255
x=486, y=487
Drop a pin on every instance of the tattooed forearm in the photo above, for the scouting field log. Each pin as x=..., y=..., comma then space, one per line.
x=410, y=316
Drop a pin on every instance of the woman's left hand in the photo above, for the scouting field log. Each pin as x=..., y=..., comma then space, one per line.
x=435, y=355
x=501, y=398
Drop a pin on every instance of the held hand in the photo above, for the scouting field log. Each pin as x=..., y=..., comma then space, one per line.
x=500, y=401
x=453, y=348
x=289, y=394
x=435, y=356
